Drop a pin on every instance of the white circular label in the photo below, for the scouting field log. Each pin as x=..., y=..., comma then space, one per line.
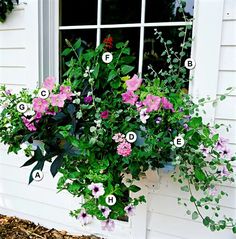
x=22, y=107
x=190, y=63
x=43, y=93
x=107, y=57
x=179, y=141
x=37, y=175
x=131, y=137
x=110, y=200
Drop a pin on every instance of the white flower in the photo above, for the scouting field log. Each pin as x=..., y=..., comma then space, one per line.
x=84, y=217
x=105, y=211
x=130, y=210
x=97, y=189
x=144, y=116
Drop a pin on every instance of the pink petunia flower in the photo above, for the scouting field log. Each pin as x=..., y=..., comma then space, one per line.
x=144, y=115
x=105, y=210
x=97, y=189
x=49, y=83
x=129, y=97
x=119, y=138
x=224, y=171
x=130, y=210
x=166, y=104
x=205, y=151
x=134, y=83
x=58, y=100
x=152, y=102
x=108, y=225
x=66, y=90
x=84, y=217
x=124, y=149
x=104, y=114
x=40, y=105
x=30, y=126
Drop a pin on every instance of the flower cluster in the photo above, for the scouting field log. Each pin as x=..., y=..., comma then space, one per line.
x=82, y=129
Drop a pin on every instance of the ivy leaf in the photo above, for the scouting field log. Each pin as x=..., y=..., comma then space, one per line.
x=206, y=221
x=185, y=188
x=125, y=69
x=57, y=163
x=234, y=229
x=195, y=122
x=222, y=97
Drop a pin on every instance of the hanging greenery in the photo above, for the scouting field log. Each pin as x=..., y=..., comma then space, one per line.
x=6, y=7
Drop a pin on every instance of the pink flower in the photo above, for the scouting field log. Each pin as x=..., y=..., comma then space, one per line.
x=223, y=171
x=104, y=114
x=105, y=211
x=40, y=105
x=152, y=102
x=130, y=210
x=108, y=225
x=58, y=100
x=134, y=83
x=129, y=97
x=124, y=149
x=38, y=116
x=30, y=126
x=166, y=104
x=49, y=83
x=119, y=138
x=97, y=189
x=205, y=151
x=50, y=112
x=143, y=115
x=84, y=217
x=66, y=90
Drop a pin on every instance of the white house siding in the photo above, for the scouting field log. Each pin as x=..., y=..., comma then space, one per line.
x=166, y=219
x=19, y=61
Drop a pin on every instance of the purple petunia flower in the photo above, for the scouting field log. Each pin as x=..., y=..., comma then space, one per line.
x=88, y=99
x=105, y=211
x=84, y=217
x=108, y=225
x=97, y=189
x=130, y=210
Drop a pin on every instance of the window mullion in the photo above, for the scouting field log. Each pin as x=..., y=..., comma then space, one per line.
x=99, y=19
x=141, y=44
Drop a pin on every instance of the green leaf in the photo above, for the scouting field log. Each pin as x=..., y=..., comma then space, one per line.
x=195, y=122
x=181, y=34
x=185, y=188
x=66, y=52
x=96, y=71
x=92, y=129
x=195, y=215
x=56, y=165
x=134, y=188
x=112, y=75
x=119, y=45
x=222, y=97
x=77, y=44
x=234, y=229
x=126, y=51
x=125, y=69
x=206, y=221
x=200, y=175
x=116, y=83
x=38, y=166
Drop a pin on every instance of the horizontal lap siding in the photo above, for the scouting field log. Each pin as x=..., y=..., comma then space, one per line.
x=167, y=219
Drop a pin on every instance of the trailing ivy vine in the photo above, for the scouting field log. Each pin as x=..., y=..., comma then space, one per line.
x=6, y=7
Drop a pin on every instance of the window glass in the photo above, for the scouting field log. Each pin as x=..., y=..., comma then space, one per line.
x=76, y=12
x=167, y=10
x=88, y=38
x=153, y=49
x=121, y=11
x=125, y=34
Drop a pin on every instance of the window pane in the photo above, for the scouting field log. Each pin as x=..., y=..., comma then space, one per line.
x=167, y=10
x=76, y=12
x=88, y=41
x=121, y=11
x=153, y=49
x=125, y=34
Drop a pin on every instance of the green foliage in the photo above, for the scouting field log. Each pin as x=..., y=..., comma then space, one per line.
x=6, y=6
